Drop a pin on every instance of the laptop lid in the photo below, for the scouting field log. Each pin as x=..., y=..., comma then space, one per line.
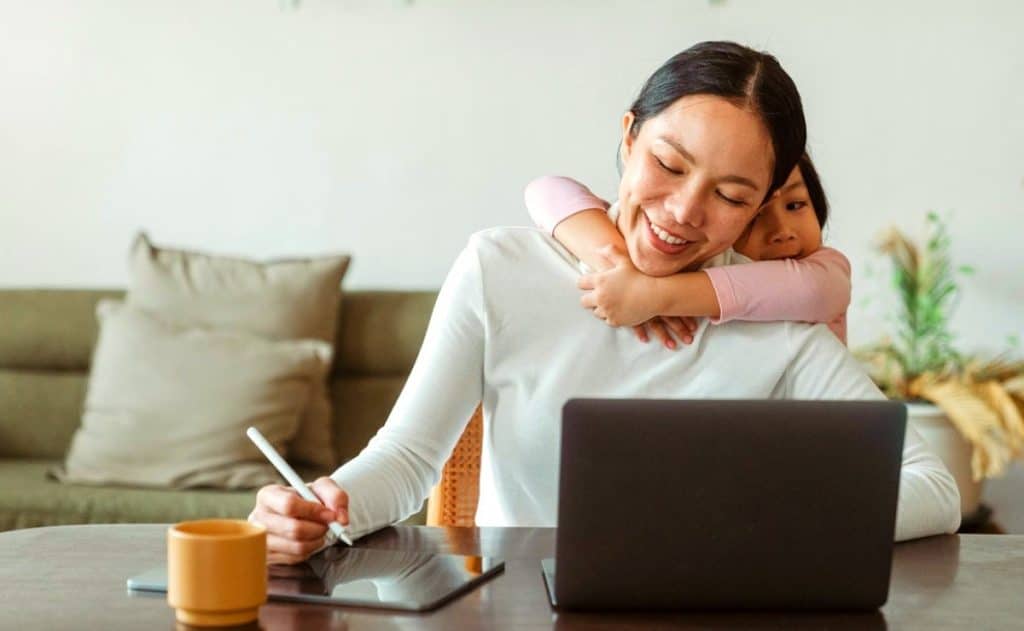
x=752, y=504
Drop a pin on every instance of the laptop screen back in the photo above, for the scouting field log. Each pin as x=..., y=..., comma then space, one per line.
x=727, y=504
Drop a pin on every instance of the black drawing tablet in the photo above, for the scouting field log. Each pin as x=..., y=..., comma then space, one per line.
x=362, y=577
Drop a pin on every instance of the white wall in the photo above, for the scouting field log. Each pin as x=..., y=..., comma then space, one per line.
x=393, y=131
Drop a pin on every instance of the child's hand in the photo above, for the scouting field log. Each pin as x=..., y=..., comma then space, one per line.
x=622, y=295
x=682, y=328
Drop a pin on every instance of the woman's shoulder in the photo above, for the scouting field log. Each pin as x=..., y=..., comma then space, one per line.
x=506, y=233
x=520, y=244
x=509, y=254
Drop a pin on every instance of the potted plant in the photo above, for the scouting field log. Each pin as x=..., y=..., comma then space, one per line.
x=969, y=409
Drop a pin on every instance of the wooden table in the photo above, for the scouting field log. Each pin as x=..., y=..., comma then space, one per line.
x=73, y=577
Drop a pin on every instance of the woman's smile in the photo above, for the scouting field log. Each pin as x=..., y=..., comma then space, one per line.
x=663, y=240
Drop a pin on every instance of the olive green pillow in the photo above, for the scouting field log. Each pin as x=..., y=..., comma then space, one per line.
x=167, y=406
x=281, y=300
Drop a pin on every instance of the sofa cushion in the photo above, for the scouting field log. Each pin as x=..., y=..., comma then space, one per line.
x=168, y=406
x=281, y=300
x=53, y=400
x=28, y=498
x=382, y=331
x=49, y=329
x=363, y=403
x=52, y=334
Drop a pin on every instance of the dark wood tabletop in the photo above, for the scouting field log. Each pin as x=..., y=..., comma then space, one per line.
x=73, y=577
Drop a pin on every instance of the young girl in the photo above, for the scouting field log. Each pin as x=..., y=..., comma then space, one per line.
x=793, y=276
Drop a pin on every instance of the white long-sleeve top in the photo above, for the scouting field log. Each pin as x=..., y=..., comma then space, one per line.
x=508, y=330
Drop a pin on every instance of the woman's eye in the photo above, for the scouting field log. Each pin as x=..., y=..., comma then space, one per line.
x=666, y=167
x=795, y=205
x=730, y=200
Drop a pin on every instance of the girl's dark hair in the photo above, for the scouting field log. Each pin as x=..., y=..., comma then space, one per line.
x=752, y=79
x=814, y=189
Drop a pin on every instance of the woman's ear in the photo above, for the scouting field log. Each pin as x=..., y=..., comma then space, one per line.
x=626, y=146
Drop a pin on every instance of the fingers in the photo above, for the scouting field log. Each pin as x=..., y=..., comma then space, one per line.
x=296, y=527
x=675, y=325
x=585, y=282
x=588, y=300
x=679, y=328
x=691, y=323
x=286, y=501
x=287, y=527
x=291, y=549
x=661, y=332
x=641, y=333
x=283, y=559
x=333, y=497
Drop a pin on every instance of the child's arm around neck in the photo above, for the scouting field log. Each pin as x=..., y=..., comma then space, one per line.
x=815, y=288
x=574, y=216
x=578, y=220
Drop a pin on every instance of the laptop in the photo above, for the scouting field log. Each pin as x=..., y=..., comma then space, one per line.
x=713, y=504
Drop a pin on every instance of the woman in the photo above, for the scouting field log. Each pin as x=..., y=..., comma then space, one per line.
x=507, y=328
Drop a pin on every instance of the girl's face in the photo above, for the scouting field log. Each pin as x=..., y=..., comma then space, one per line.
x=693, y=178
x=785, y=227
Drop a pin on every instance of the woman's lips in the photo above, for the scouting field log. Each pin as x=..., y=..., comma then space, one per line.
x=658, y=243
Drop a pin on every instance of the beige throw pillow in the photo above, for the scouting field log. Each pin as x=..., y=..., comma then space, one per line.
x=168, y=406
x=281, y=300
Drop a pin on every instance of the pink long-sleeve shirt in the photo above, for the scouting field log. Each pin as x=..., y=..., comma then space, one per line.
x=815, y=288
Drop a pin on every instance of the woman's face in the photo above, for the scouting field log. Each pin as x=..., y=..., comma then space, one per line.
x=786, y=226
x=693, y=178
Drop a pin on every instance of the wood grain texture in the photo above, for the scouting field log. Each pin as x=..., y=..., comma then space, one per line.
x=73, y=577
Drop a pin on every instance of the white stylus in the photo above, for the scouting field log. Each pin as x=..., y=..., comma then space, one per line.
x=293, y=479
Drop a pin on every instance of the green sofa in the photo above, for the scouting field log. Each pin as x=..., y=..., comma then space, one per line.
x=46, y=341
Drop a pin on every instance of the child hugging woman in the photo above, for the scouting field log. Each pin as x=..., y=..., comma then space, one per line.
x=791, y=276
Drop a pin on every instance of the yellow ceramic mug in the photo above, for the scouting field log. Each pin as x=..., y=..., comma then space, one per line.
x=216, y=571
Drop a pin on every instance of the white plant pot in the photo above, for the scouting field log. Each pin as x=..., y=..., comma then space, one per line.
x=946, y=442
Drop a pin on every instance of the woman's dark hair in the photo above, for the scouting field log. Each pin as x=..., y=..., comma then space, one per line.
x=814, y=189
x=749, y=78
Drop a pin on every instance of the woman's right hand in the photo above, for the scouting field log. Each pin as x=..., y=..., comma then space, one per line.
x=296, y=527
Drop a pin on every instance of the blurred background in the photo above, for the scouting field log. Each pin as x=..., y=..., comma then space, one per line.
x=392, y=130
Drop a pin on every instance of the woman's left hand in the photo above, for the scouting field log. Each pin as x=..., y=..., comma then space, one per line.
x=622, y=295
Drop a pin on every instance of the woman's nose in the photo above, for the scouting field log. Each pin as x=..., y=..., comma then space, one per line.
x=686, y=208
